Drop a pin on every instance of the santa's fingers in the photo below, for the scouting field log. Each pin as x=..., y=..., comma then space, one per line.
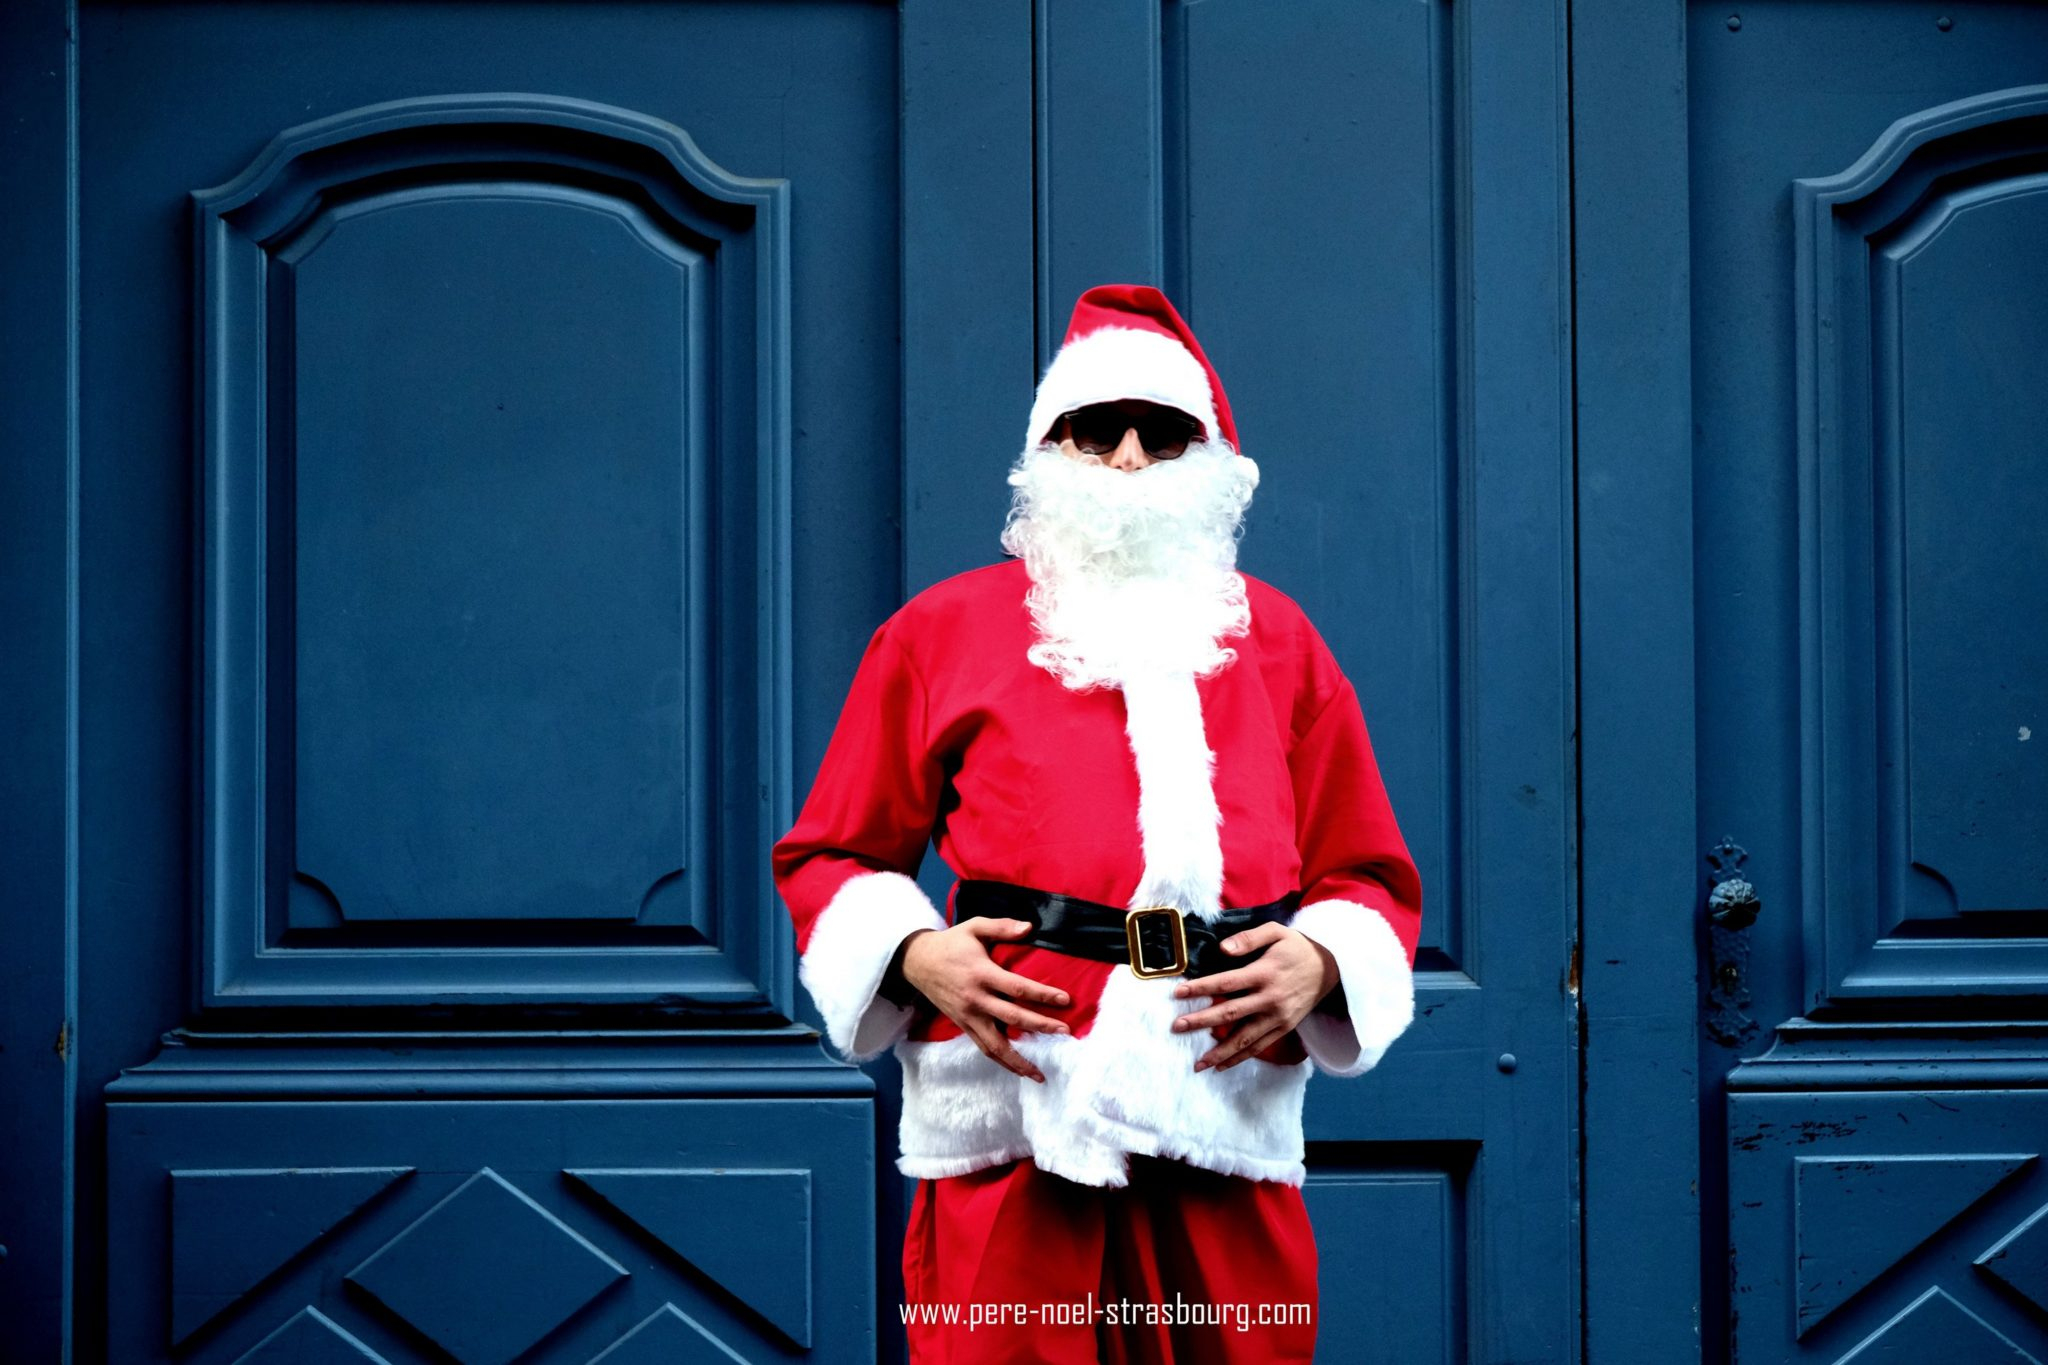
x=1245, y=1042
x=1223, y=1011
x=1258, y=936
x=1010, y=1012
x=1247, y=978
x=989, y=1036
x=1254, y=975
x=989, y=926
x=1020, y=987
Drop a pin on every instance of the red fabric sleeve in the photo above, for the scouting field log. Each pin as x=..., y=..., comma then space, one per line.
x=1351, y=847
x=845, y=868
x=1361, y=893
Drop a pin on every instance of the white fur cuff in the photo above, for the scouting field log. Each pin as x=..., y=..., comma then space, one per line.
x=849, y=949
x=1379, y=987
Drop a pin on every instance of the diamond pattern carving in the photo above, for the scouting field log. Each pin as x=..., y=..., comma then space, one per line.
x=694, y=1213
x=310, y=1338
x=487, y=1272
x=668, y=1337
x=1858, y=1215
x=1934, y=1327
x=231, y=1229
x=2020, y=1259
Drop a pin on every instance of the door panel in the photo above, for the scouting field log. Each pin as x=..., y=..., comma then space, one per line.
x=1373, y=249
x=463, y=409
x=1867, y=212
x=558, y=1229
x=1922, y=495
x=1361, y=210
x=471, y=365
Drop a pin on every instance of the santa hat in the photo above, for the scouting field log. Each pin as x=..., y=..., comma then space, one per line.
x=1127, y=341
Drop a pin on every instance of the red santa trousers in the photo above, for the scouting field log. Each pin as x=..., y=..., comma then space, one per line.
x=1182, y=1265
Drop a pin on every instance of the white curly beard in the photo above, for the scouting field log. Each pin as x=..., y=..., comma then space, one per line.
x=1132, y=572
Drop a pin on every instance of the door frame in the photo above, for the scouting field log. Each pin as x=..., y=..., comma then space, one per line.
x=1641, y=864
x=39, y=787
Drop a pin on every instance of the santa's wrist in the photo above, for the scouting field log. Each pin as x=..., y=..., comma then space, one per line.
x=1330, y=994
x=898, y=986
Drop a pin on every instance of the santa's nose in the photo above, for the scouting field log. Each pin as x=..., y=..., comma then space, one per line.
x=1130, y=452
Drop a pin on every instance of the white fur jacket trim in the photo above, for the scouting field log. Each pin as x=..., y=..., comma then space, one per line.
x=1127, y=1085
x=1379, y=987
x=848, y=951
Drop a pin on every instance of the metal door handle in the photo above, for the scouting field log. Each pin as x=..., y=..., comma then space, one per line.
x=1732, y=906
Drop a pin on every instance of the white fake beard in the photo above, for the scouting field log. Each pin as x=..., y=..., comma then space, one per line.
x=1131, y=571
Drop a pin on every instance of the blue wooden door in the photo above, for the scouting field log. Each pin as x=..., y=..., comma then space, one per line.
x=1811, y=316
x=459, y=456
x=437, y=427
x=1362, y=210
x=1875, y=388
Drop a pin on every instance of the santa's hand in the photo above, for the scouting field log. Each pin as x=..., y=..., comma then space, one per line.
x=1279, y=990
x=953, y=970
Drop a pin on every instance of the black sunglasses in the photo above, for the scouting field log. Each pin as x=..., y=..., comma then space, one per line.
x=1099, y=429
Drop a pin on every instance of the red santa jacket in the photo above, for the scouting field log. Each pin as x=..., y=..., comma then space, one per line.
x=1222, y=791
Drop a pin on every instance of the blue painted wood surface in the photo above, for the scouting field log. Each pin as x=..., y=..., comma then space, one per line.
x=447, y=485
x=1363, y=212
x=548, y=1229
x=1639, y=966
x=436, y=573
x=1869, y=316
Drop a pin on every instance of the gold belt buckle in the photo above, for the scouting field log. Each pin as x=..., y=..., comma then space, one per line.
x=1180, y=941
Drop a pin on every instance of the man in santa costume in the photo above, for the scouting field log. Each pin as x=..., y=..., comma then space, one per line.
x=1179, y=886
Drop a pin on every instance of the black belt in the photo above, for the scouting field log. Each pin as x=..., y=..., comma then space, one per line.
x=1155, y=940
